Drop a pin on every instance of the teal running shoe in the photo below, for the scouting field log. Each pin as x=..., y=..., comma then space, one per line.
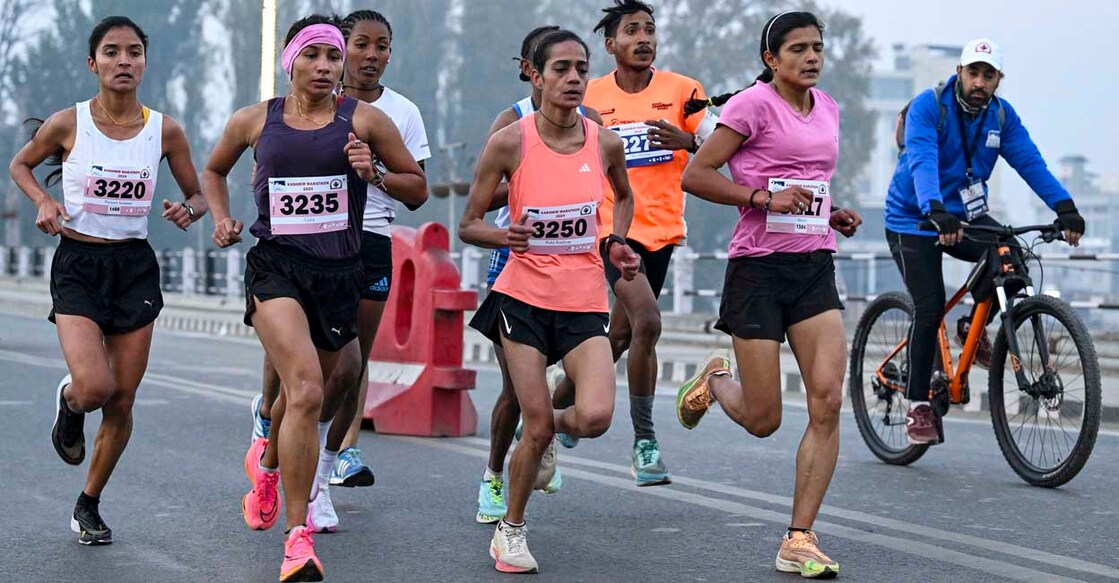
x=647, y=468
x=491, y=501
x=261, y=426
x=566, y=440
x=349, y=471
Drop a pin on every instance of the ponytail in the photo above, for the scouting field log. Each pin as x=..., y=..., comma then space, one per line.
x=765, y=77
x=695, y=105
x=55, y=159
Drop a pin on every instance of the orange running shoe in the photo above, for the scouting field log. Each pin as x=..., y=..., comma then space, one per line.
x=300, y=562
x=799, y=554
x=694, y=397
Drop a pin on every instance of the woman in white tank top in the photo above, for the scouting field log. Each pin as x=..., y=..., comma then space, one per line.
x=104, y=277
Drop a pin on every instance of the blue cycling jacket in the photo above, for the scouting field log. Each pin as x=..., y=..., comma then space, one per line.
x=932, y=166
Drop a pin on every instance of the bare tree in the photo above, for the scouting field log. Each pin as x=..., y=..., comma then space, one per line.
x=13, y=13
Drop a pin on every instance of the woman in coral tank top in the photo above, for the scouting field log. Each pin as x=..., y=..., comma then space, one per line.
x=549, y=303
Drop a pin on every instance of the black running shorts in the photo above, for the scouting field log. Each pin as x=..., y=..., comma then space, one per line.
x=376, y=259
x=654, y=264
x=764, y=296
x=114, y=284
x=328, y=290
x=551, y=332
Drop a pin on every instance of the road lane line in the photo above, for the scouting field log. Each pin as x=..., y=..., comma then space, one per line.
x=908, y=546
x=1035, y=555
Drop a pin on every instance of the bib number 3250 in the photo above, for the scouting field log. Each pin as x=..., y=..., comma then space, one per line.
x=563, y=230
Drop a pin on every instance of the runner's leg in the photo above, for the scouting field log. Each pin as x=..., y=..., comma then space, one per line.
x=526, y=370
x=589, y=366
x=754, y=401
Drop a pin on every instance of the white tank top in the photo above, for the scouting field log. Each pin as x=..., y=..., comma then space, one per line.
x=108, y=185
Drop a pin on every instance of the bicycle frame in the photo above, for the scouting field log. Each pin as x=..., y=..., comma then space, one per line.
x=1011, y=271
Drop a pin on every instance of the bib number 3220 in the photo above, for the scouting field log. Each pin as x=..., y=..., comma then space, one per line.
x=118, y=190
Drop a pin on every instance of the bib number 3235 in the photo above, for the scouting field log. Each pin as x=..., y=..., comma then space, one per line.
x=304, y=206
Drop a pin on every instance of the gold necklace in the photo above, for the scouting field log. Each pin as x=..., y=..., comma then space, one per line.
x=97, y=98
x=299, y=110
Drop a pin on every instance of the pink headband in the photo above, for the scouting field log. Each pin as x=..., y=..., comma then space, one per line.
x=325, y=34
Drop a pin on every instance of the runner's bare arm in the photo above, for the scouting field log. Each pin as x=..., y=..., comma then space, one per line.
x=614, y=158
x=56, y=133
x=240, y=133
x=702, y=177
x=176, y=148
x=505, y=118
x=405, y=180
x=499, y=158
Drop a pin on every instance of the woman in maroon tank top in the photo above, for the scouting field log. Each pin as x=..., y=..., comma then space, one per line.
x=315, y=152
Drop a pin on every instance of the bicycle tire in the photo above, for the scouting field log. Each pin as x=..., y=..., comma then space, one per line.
x=1086, y=353
x=856, y=387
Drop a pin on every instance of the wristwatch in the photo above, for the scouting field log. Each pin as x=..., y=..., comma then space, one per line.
x=698, y=140
x=189, y=210
x=381, y=172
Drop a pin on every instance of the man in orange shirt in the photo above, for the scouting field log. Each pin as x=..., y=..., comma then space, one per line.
x=645, y=106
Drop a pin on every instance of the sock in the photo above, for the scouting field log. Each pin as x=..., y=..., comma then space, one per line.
x=490, y=475
x=800, y=530
x=326, y=463
x=267, y=470
x=510, y=524
x=87, y=500
x=641, y=412
x=324, y=430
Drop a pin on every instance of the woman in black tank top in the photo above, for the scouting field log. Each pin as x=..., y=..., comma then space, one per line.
x=315, y=154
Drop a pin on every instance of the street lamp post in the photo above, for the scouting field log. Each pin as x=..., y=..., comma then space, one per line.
x=267, y=49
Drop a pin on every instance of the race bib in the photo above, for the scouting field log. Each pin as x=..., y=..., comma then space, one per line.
x=639, y=152
x=975, y=200
x=812, y=221
x=304, y=206
x=118, y=191
x=563, y=230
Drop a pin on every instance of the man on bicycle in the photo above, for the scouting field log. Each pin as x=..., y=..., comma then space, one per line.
x=951, y=138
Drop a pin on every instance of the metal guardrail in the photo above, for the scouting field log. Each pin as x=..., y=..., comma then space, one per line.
x=221, y=272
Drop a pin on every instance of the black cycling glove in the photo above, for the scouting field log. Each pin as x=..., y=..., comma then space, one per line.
x=945, y=222
x=1068, y=218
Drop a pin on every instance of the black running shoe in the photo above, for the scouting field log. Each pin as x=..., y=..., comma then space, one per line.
x=68, y=434
x=89, y=526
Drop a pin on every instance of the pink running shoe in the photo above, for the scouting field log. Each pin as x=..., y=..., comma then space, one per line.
x=261, y=506
x=300, y=562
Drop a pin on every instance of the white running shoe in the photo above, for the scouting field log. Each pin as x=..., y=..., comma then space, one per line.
x=509, y=550
x=320, y=512
x=547, y=467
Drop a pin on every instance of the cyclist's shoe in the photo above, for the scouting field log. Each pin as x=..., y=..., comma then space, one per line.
x=694, y=398
x=89, y=526
x=491, y=501
x=646, y=467
x=300, y=562
x=799, y=554
x=509, y=550
x=68, y=434
x=983, y=353
x=545, y=478
x=350, y=471
x=923, y=426
x=261, y=426
x=320, y=512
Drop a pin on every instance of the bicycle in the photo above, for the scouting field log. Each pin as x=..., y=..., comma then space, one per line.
x=1051, y=383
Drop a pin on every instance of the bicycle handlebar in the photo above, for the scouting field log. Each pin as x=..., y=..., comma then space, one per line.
x=1049, y=233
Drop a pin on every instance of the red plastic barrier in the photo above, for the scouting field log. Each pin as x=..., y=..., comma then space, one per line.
x=417, y=385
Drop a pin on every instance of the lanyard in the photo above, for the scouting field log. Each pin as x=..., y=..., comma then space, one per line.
x=963, y=136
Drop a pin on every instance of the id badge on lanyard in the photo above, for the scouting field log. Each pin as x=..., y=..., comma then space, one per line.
x=974, y=195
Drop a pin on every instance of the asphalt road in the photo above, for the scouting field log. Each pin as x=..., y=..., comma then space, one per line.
x=959, y=514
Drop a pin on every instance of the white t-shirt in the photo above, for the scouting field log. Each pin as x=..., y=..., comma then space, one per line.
x=380, y=208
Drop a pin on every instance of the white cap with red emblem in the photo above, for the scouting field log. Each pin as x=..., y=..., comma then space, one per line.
x=982, y=50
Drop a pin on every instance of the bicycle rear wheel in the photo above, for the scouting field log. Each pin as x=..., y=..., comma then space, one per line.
x=880, y=408
x=1047, y=429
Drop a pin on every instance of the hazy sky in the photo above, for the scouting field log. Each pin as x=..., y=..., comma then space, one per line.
x=1060, y=61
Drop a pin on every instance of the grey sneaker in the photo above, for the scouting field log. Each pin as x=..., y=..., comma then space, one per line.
x=646, y=466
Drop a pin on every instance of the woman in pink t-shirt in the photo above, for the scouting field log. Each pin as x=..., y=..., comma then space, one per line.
x=781, y=139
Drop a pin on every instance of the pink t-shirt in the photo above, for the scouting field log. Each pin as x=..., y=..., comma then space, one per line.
x=780, y=143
